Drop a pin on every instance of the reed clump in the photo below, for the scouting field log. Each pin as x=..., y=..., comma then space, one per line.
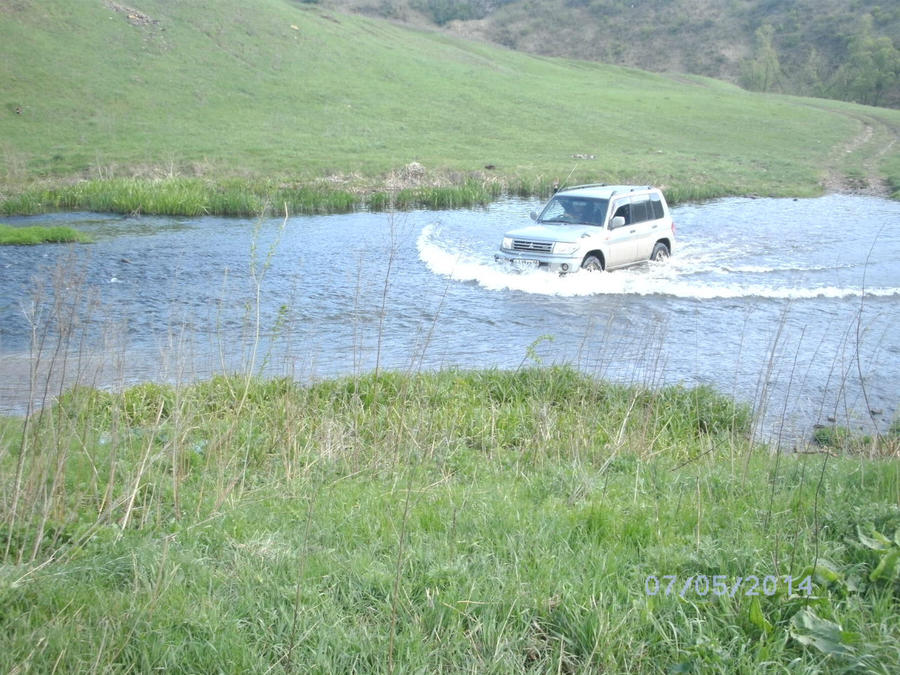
x=191, y=197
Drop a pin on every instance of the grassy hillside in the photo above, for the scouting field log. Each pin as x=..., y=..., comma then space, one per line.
x=277, y=94
x=451, y=522
x=842, y=49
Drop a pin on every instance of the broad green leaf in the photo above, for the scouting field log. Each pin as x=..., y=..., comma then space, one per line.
x=824, y=635
x=825, y=572
x=757, y=618
x=885, y=569
x=878, y=542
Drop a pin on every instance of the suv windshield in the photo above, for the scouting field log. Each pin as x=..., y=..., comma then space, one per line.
x=568, y=209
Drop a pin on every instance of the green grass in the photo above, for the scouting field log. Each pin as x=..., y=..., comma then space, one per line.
x=227, y=107
x=892, y=170
x=39, y=235
x=231, y=197
x=451, y=522
x=836, y=438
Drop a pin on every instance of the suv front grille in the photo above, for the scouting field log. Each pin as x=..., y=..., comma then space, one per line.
x=535, y=246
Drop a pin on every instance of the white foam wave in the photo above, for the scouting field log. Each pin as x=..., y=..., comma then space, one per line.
x=675, y=278
x=724, y=259
x=779, y=269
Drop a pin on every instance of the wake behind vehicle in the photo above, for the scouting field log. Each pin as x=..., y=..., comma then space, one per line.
x=593, y=227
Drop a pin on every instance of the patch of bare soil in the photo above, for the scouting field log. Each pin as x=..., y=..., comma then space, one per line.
x=134, y=16
x=415, y=175
x=412, y=176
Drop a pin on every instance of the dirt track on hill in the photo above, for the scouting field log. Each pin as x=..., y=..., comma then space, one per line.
x=869, y=180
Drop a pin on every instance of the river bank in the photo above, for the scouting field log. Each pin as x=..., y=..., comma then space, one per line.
x=413, y=187
x=522, y=521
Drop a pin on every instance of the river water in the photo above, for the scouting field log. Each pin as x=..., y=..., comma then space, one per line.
x=790, y=305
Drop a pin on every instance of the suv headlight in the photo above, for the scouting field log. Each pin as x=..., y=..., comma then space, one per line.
x=507, y=243
x=564, y=247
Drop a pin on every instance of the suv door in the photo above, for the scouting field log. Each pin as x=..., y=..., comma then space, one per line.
x=643, y=222
x=621, y=247
x=652, y=229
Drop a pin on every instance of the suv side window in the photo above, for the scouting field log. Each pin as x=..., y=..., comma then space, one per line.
x=622, y=209
x=656, y=206
x=640, y=209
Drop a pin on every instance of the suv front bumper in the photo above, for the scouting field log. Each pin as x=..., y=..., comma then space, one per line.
x=559, y=264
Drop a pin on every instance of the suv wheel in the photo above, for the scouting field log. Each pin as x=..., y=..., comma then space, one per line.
x=592, y=263
x=660, y=252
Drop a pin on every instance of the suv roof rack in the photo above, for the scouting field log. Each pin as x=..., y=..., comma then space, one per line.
x=578, y=187
x=631, y=188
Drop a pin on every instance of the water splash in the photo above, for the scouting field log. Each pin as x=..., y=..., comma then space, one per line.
x=697, y=271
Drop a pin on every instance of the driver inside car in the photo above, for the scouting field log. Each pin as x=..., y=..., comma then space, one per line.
x=576, y=211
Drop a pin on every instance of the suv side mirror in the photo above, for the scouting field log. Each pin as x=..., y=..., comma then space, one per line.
x=533, y=215
x=617, y=221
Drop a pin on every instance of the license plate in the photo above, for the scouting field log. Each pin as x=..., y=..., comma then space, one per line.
x=522, y=262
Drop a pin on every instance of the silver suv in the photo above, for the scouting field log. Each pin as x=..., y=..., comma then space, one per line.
x=594, y=227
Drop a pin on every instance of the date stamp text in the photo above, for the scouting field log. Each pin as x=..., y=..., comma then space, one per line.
x=721, y=584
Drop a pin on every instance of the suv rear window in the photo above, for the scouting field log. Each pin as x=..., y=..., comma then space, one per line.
x=640, y=209
x=656, y=205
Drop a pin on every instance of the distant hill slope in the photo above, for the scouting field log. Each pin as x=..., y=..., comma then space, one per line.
x=844, y=49
x=285, y=90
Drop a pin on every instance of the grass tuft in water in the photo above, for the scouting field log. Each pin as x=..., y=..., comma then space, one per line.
x=26, y=236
